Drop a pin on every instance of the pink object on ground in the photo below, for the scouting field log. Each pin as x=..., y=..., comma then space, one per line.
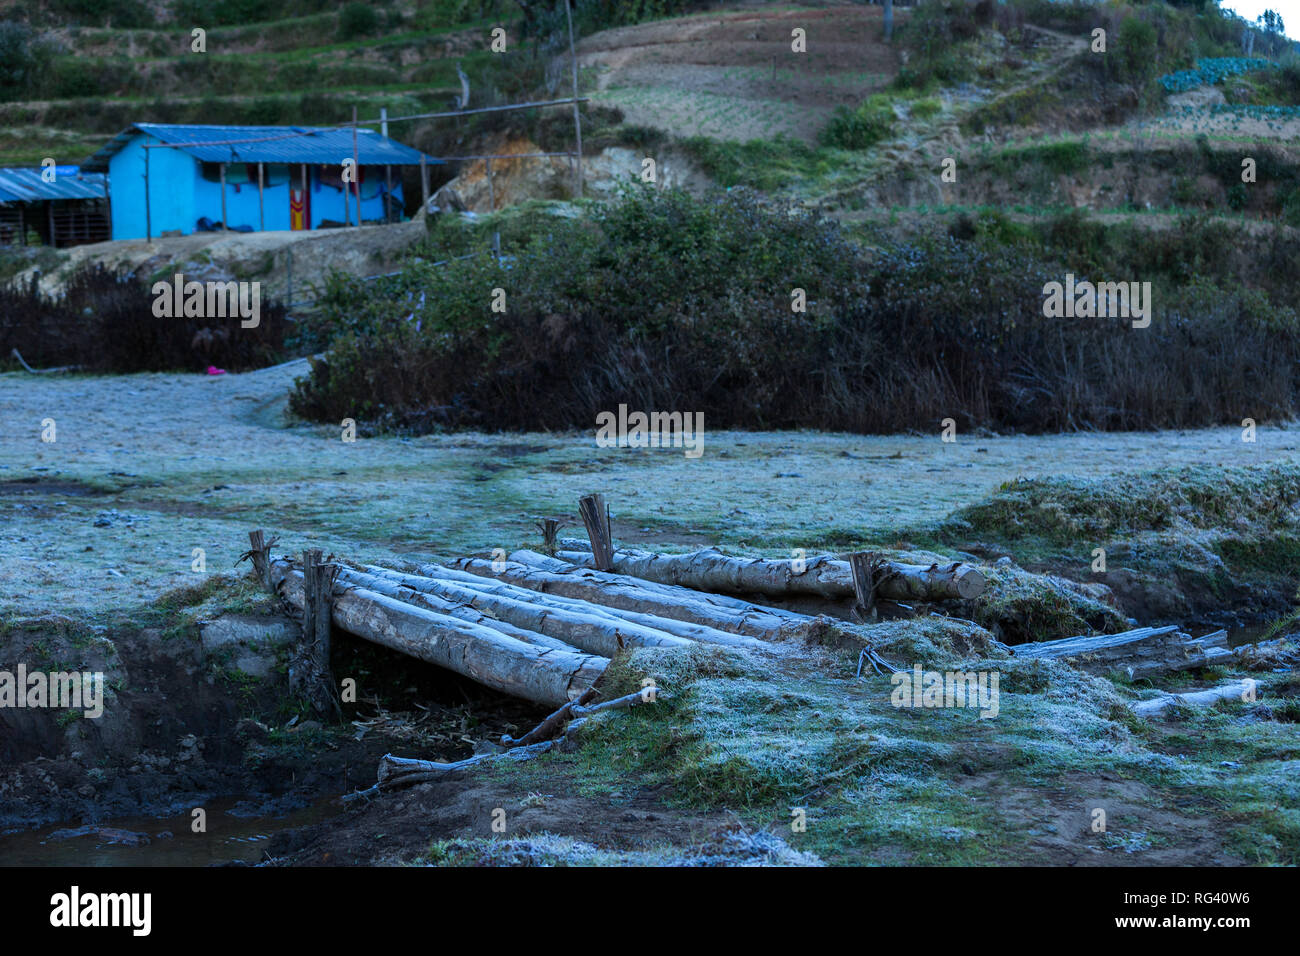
x=213, y=370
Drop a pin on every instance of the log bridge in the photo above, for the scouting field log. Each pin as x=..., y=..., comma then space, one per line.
x=543, y=627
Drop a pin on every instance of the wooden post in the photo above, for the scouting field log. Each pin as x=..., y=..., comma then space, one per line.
x=356, y=166
x=424, y=183
x=863, y=567
x=49, y=219
x=148, y=218
x=388, y=169
x=306, y=218
x=492, y=195
x=312, y=676
x=261, y=199
x=224, y=226
x=259, y=553
x=595, y=516
x=577, y=116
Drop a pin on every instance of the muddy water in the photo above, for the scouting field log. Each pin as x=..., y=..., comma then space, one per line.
x=229, y=838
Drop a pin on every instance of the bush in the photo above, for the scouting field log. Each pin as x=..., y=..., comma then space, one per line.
x=665, y=302
x=24, y=58
x=105, y=322
x=357, y=20
x=861, y=128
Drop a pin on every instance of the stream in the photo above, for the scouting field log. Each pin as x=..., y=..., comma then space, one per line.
x=228, y=839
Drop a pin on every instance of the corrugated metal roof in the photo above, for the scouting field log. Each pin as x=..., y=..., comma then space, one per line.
x=268, y=144
x=19, y=184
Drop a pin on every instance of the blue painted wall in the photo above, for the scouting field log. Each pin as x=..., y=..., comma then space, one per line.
x=179, y=193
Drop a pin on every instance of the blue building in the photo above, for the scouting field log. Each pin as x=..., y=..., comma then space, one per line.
x=185, y=179
x=67, y=209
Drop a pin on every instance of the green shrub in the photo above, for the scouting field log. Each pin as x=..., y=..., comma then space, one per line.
x=357, y=20
x=860, y=128
x=927, y=108
x=665, y=302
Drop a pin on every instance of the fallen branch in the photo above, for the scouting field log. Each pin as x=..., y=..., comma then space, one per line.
x=403, y=772
x=554, y=725
x=42, y=371
x=1240, y=690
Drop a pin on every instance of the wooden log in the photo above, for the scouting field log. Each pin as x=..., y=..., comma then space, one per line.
x=594, y=633
x=1202, y=698
x=546, y=676
x=398, y=591
x=490, y=585
x=1141, y=652
x=612, y=590
x=1118, y=645
x=822, y=576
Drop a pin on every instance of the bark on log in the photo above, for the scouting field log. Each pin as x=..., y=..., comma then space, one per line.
x=589, y=631
x=822, y=576
x=1201, y=698
x=540, y=674
x=736, y=618
x=490, y=585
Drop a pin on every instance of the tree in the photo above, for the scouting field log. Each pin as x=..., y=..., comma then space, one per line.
x=24, y=58
x=1274, y=29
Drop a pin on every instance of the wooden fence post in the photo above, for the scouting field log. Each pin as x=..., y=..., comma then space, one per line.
x=595, y=516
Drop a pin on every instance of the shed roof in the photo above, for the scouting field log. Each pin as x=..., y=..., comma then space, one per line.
x=267, y=144
x=19, y=184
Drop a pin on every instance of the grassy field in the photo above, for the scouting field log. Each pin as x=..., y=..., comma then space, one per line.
x=194, y=462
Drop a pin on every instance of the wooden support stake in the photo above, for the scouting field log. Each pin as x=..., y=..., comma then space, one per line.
x=148, y=213
x=595, y=516
x=356, y=167
x=224, y=226
x=424, y=183
x=260, y=555
x=312, y=673
x=862, y=564
x=261, y=198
